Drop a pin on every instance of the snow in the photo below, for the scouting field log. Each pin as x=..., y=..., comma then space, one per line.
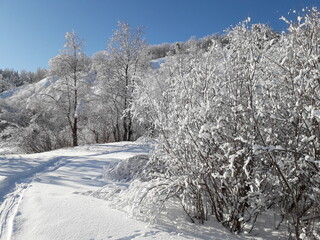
x=28, y=91
x=79, y=109
x=9, y=93
x=156, y=63
x=44, y=196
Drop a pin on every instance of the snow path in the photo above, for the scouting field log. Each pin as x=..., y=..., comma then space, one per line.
x=8, y=211
x=45, y=197
x=9, y=207
x=42, y=198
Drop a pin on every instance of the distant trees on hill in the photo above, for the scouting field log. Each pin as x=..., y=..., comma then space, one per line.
x=166, y=49
x=10, y=78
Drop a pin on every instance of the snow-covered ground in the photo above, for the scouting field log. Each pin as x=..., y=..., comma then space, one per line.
x=44, y=197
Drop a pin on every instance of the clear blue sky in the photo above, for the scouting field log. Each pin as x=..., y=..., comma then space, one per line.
x=32, y=31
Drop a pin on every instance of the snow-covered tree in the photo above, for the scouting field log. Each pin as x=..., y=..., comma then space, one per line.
x=71, y=67
x=125, y=60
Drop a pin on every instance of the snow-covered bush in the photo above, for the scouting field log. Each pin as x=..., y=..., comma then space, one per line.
x=238, y=126
x=44, y=133
x=204, y=153
x=289, y=130
x=128, y=169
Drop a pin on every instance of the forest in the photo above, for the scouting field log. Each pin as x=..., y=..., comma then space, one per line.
x=235, y=118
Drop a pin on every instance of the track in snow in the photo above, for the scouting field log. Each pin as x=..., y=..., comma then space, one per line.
x=16, y=186
x=9, y=209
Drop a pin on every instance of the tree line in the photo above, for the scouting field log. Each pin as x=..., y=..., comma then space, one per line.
x=88, y=99
x=10, y=78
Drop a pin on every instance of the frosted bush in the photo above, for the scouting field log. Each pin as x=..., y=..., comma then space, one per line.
x=238, y=127
x=128, y=169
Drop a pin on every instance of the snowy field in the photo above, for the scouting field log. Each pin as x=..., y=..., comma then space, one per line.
x=45, y=197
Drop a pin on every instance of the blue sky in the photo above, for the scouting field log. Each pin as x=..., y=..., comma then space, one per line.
x=32, y=31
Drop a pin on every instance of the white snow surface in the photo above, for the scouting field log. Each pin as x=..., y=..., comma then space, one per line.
x=42, y=197
x=156, y=63
x=27, y=91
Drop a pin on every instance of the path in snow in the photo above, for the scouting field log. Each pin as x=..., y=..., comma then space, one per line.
x=8, y=211
x=42, y=197
x=15, y=183
x=62, y=171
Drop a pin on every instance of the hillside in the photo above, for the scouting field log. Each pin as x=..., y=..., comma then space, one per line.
x=23, y=94
x=14, y=113
x=18, y=105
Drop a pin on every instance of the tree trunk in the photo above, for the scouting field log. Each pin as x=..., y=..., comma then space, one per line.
x=75, y=133
x=125, y=129
x=125, y=118
x=130, y=130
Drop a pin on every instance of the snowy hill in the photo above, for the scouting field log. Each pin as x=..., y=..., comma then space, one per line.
x=19, y=107
x=12, y=103
x=26, y=92
x=51, y=196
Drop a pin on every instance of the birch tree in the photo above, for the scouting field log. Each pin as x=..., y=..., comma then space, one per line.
x=126, y=48
x=71, y=66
